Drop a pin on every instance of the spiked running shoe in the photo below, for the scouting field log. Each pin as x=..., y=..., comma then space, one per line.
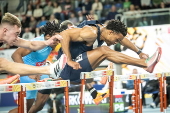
x=100, y=97
x=153, y=60
x=57, y=67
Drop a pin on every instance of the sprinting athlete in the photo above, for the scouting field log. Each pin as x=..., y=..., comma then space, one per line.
x=35, y=58
x=10, y=28
x=77, y=44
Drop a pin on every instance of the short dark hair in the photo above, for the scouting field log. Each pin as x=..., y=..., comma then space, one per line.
x=64, y=24
x=50, y=28
x=117, y=26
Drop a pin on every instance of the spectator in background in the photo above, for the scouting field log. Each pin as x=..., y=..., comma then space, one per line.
x=94, y=15
x=97, y=7
x=67, y=4
x=37, y=32
x=80, y=17
x=134, y=16
x=156, y=3
x=38, y=13
x=21, y=4
x=52, y=18
x=65, y=14
x=32, y=24
x=167, y=3
x=29, y=11
x=25, y=23
x=42, y=22
x=126, y=5
x=57, y=11
x=113, y=12
x=143, y=22
x=145, y=4
x=73, y=18
x=87, y=6
x=48, y=10
x=136, y=3
x=43, y=3
x=28, y=35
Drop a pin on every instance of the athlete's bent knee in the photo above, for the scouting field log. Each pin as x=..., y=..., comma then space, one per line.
x=104, y=49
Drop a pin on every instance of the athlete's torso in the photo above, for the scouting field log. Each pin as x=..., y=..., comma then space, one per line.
x=77, y=48
x=38, y=57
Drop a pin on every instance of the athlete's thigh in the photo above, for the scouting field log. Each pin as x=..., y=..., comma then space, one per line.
x=95, y=57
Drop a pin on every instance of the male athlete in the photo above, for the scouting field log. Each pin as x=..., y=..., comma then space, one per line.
x=35, y=58
x=77, y=44
x=10, y=29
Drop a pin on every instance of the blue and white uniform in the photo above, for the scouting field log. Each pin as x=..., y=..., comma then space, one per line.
x=36, y=58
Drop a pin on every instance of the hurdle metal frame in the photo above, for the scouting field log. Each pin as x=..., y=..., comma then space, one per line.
x=93, y=74
x=21, y=88
x=137, y=95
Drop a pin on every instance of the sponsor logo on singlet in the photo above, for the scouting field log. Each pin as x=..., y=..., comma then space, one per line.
x=40, y=63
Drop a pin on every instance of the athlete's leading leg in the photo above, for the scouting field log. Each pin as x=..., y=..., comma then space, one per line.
x=22, y=69
x=99, y=54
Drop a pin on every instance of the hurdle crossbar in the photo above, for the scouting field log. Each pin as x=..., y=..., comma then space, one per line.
x=23, y=87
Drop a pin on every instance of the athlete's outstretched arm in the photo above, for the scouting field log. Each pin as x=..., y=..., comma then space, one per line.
x=37, y=45
x=125, y=42
x=19, y=53
x=22, y=69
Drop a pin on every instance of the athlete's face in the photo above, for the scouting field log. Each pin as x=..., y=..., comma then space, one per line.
x=113, y=38
x=11, y=34
x=55, y=43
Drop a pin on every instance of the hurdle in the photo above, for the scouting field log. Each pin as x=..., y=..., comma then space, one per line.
x=23, y=87
x=93, y=74
x=136, y=93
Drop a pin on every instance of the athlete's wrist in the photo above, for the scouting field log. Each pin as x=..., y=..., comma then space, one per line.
x=139, y=51
x=47, y=43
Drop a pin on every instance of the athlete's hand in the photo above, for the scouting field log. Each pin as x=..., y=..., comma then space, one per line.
x=35, y=77
x=143, y=56
x=54, y=39
x=74, y=65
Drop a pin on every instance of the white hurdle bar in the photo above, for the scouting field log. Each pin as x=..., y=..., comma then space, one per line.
x=23, y=87
x=93, y=74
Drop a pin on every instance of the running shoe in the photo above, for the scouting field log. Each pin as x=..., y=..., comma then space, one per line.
x=57, y=67
x=100, y=97
x=152, y=105
x=153, y=60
